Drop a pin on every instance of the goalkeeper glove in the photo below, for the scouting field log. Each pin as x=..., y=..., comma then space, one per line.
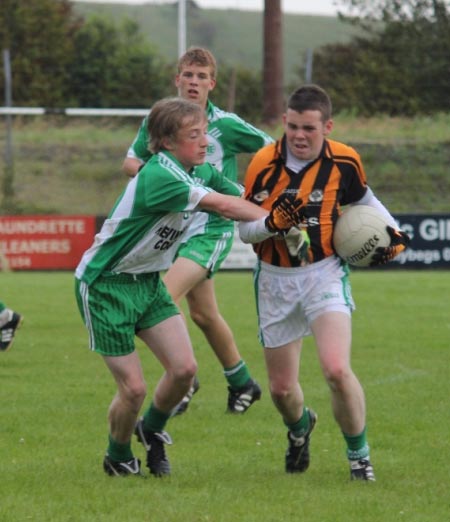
x=287, y=212
x=297, y=242
x=399, y=242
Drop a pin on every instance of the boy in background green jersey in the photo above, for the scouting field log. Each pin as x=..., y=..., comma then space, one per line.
x=210, y=238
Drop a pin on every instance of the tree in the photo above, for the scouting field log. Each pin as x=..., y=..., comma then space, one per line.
x=401, y=66
x=38, y=34
x=61, y=60
x=114, y=67
x=241, y=86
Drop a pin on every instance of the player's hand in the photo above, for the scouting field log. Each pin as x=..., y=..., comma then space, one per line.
x=287, y=212
x=297, y=242
x=399, y=241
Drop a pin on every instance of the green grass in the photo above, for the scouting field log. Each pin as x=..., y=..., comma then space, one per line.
x=55, y=395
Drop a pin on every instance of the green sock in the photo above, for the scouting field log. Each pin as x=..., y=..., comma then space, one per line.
x=238, y=375
x=357, y=447
x=118, y=451
x=300, y=427
x=154, y=419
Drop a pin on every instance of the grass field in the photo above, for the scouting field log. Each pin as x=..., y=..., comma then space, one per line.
x=55, y=394
x=73, y=166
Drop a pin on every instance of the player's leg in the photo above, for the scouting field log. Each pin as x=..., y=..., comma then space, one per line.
x=204, y=311
x=123, y=413
x=108, y=310
x=332, y=332
x=283, y=365
x=186, y=278
x=181, y=277
x=131, y=391
x=282, y=326
x=169, y=341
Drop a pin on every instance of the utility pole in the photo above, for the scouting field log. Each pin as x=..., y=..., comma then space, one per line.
x=8, y=185
x=181, y=27
x=309, y=65
x=272, y=62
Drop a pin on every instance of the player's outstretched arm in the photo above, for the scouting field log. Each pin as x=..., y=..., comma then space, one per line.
x=232, y=207
x=286, y=212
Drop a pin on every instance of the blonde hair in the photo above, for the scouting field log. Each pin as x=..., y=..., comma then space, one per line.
x=167, y=117
x=198, y=56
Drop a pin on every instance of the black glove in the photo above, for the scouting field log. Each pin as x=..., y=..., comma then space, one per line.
x=399, y=241
x=287, y=212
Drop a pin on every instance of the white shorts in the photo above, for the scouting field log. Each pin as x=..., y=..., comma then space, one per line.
x=289, y=299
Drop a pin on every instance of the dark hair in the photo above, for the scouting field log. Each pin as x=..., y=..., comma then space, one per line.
x=311, y=97
x=167, y=117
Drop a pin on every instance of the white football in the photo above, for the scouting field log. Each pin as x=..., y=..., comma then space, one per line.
x=359, y=230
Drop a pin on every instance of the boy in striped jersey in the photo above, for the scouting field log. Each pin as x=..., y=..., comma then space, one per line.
x=118, y=288
x=301, y=286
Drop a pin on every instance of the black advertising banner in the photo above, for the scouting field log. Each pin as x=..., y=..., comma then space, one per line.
x=429, y=247
x=430, y=241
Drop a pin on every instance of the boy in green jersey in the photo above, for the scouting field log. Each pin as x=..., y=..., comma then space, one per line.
x=209, y=238
x=118, y=288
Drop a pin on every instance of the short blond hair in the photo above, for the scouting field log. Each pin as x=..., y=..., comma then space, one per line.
x=167, y=117
x=198, y=56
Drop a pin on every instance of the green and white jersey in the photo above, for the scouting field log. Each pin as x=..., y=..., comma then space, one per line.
x=228, y=135
x=148, y=221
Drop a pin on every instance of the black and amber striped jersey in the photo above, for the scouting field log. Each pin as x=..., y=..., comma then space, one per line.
x=334, y=179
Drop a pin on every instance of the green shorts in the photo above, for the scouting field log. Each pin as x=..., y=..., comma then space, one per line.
x=207, y=250
x=115, y=307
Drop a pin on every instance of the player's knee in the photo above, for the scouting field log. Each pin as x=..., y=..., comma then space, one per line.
x=134, y=393
x=280, y=391
x=186, y=372
x=202, y=318
x=337, y=375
